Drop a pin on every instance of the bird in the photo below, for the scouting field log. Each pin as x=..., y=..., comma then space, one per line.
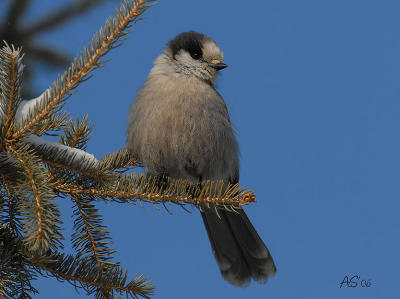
x=179, y=127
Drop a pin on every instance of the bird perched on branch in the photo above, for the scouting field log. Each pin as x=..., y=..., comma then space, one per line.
x=179, y=127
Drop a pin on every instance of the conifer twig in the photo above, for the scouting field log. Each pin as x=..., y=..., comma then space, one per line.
x=158, y=195
x=11, y=217
x=90, y=237
x=41, y=224
x=85, y=273
x=89, y=61
x=11, y=95
x=12, y=69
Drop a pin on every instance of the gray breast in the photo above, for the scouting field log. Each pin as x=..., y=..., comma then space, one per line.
x=182, y=129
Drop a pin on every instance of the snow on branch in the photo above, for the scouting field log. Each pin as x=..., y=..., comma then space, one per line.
x=63, y=154
x=27, y=107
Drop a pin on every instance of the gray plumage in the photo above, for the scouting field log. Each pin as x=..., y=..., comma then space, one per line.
x=179, y=127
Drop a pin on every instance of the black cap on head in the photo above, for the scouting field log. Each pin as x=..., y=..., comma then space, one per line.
x=190, y=41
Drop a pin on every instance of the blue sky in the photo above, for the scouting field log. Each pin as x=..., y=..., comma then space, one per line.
x=313, y=89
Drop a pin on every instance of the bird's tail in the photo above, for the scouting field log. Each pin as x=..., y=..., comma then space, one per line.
x=237, y=247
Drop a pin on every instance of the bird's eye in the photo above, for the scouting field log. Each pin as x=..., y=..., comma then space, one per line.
x=195, y=55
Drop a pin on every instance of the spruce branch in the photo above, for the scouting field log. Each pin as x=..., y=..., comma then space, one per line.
x=9, y=167
x=91, y=237
x=77, y=134
x=18, y=29
x=131, y=187
x=104, y=280
x=63, y=156
x=15, y=274
x=11, y=68
x=41, y=221
x=18, y=266
x=89, y=60
x=56, y=122
x=9, y=214
x=120, y=160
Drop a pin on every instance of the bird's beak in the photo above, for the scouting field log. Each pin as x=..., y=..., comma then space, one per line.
x=218, y=65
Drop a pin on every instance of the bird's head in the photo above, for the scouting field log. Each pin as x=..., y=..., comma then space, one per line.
x=196, y=54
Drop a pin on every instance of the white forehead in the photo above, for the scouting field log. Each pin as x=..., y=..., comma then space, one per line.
x=212, y=51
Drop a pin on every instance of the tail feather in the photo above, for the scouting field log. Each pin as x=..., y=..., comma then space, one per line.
x=238, y=249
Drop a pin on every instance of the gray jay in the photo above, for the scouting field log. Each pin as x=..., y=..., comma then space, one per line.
x=179, y=127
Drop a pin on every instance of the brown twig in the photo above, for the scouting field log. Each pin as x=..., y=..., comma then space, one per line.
x=21, y=279
x=11, y=96
x=80, y=134
x=154, y=197
x=88, y=230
